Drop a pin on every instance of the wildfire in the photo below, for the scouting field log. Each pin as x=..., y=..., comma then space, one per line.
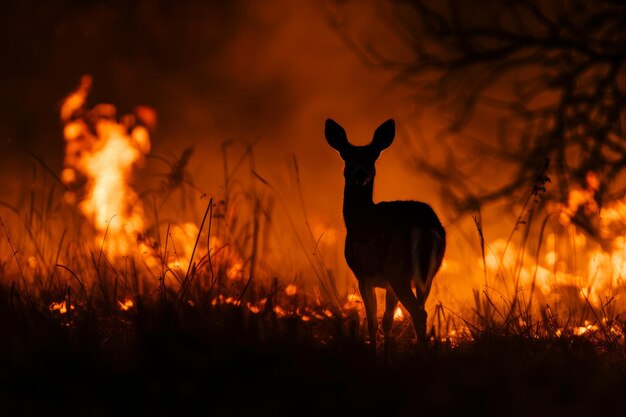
x=569, y=264
x=604, y=263
x=103, y=150
x=100, y=156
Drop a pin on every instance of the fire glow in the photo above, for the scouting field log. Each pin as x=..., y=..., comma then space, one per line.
x=101, y=153
x=104, y=150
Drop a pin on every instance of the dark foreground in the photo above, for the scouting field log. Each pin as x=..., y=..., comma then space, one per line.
x=222, y=362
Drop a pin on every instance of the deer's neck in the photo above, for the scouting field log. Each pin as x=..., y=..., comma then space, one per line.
x=358, y=205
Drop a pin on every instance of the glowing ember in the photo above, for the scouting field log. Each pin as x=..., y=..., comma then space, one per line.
x=398, y=314
x=126, y=305
x=221, y=300
x=100, y=156
x=354, y=302
x=581, y=330
x=616, y=331
x=291, y=290
x=60, y=307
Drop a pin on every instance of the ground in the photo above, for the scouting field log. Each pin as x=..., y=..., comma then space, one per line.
x=225, y=361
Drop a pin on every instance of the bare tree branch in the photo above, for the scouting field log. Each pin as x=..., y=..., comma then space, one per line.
x=562, y=63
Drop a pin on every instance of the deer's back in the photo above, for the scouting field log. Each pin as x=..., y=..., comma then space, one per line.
x=397, y=235
x=399, y=215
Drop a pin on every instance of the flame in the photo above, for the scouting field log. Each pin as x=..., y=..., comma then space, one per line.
x=291, y=290
x=101, y=154
x=354, y=302
x=235, y=271
x=126, y=305
x=103, y=151
x=60, y=307
x=587, y=328
x=182, y=240
x=605, y=264
x=569, y=259
x=398, y=314
x=221, y=300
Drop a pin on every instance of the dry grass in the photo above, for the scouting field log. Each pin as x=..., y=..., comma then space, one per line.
x=196, y=338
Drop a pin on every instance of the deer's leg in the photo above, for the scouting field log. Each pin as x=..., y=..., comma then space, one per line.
x=368, y=294
x=391, y=302
x=414, y=307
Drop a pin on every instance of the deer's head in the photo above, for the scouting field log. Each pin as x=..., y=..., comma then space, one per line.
x=360, y=161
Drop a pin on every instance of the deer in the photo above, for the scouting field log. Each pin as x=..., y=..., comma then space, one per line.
x=395, y=245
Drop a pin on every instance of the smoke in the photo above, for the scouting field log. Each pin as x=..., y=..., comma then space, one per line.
x=263, y=73
x=240, y=70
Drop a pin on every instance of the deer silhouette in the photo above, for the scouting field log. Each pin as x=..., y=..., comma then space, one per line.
x=391, y=244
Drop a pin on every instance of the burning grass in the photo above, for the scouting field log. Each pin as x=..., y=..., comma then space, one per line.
x=111, y=304
x=164, y=358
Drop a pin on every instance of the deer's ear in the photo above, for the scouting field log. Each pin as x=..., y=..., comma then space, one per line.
x=383, y=136
x=336, y=136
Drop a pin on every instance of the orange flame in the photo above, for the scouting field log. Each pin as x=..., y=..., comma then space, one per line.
x=60, y=307
x=101, y=154
x=126, y=305
x=398, y=314
x=291, y=290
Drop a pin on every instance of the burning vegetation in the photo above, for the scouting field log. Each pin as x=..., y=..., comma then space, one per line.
x=123, y=267
x=552, y=284
x=100, y=156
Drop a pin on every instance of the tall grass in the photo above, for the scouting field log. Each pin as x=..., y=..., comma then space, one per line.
x=87, y=334
x=52, y=269
x=507, y=308
x=225, y=274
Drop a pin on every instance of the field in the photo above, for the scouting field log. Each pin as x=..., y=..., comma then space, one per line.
x=122, y=299
x=164, y=359
x=171, y=239
x=89, y=332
